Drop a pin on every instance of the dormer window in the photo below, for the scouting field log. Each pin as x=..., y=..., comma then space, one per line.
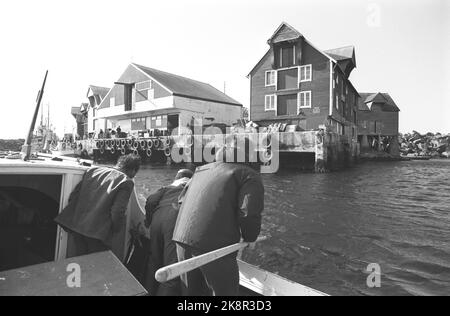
x=287, y=56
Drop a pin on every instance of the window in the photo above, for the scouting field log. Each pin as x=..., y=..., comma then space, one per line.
x=340, y=128
x=144, y=85
x=287, y=104
x=112, y=101
x=158, y=122
x=306, y=73
x=271, y=78
x=337, y=102
x=287, y=56
x=138, y=124
x=270, y=102
x=145, y=90
x=287, y=79
x=304, y=99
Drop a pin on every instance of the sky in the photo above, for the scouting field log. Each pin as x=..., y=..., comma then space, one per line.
x=402, y=47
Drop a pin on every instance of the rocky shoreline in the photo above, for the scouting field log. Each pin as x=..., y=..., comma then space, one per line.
x=431, y=145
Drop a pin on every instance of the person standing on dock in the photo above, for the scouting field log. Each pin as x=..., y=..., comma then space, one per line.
x=161, y=216
x=220, y=205
x=95, y=216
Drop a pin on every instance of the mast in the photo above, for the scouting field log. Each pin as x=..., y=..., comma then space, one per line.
x=26, y=148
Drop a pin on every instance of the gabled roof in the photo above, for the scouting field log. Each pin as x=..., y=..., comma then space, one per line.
x=291, y=32
x=376, y=97
x=342, y=53
x=185, y=87
x=385, y=99
x=75, y=110
x=345, y=57
x=101, y=91
x=296, y=35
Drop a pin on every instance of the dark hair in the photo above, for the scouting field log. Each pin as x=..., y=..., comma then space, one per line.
x=129, y=162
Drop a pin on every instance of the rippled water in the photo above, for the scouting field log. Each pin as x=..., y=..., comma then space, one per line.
x=325, y=229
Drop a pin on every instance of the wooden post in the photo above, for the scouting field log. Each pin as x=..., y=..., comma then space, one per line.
x=321, y=152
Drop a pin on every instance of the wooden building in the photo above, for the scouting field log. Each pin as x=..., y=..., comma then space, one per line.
x=146, y=99
x=378, y=122
x=95, y=96
x=297, y=84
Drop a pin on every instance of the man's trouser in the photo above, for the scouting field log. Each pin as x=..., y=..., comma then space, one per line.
x=218, y=278
x=79, y=245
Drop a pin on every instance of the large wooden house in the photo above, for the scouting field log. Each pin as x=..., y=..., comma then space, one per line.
x=146, y=99
x=295, y=83
x=378, y=119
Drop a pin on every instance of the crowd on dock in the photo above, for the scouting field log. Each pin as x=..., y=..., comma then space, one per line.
x=416, y=144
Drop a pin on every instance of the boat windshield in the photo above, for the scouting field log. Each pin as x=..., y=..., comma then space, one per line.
x=28, y=205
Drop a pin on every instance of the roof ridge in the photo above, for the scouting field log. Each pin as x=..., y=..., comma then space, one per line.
x=340, y=47
x=169, y=73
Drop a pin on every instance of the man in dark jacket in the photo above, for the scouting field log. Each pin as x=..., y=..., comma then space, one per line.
x=221, y=204
x=161, y=216
x=95, y=216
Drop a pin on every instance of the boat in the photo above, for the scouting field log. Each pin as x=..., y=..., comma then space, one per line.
x=33, y=248
x=51, y=179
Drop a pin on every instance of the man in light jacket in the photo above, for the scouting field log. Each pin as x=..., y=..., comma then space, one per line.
x=95, y=216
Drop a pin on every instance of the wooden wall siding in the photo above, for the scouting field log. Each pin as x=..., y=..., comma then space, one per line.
x=319, y=86
x=285, y=33
x=341, y=113
x=131, y=74
x=387, y=120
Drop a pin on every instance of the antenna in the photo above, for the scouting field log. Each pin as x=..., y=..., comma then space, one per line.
x=26, y=148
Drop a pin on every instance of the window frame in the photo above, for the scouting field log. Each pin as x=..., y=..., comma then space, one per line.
x=293, y=56
x=275, y=77
x=142, y=82
x=299, y=99
x=304, y=67
x=270, y=107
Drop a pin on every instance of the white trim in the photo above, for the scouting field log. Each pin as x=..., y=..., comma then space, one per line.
x=299, y=99
x=331, y=87
x=275, y=78
x=310, y=73
x=271, y=107
x=111, y=101
x=287, y=68
x=293, y=56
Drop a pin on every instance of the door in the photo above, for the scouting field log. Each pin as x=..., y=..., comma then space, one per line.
x=172, y=122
